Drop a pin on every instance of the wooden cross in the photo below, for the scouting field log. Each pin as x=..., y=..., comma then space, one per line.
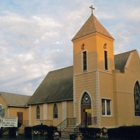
x=92, y=8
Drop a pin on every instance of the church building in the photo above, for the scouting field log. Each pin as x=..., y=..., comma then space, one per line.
x=100, y=88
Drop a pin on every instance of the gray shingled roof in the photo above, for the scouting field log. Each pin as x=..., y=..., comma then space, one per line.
x=16, y=100
x=92, y=25
x=121, y=59
x=57, y=86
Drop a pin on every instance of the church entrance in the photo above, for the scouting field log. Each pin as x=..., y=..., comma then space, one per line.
x=20, y=117
x=86, y=109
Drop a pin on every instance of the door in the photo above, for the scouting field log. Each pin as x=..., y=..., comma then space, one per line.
x=86, y=114
x=20, y=117
x=86, y=109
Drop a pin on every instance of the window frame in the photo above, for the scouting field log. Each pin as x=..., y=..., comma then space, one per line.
x=2, y=111
x=38, y=112
x=55, y=111
x=136, y=112
x=84, y=60
x=106, y=60
x=85, y=101
x=105, y=107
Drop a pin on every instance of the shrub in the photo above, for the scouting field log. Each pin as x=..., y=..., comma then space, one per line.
x=28, y=132
x=125, y=132
x=90, y=132
x=12, y=132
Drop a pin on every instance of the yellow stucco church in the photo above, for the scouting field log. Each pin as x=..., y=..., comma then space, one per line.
x=100, y=87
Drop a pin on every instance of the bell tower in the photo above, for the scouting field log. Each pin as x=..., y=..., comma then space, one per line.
x=93, y=53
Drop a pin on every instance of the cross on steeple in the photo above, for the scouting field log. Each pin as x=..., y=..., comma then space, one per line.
x=92, y=8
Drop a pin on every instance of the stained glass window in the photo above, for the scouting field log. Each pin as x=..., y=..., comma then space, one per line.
x=55, y=111
x=2, y=111
x=38, y=112
x=137, y=99
x=86, y=99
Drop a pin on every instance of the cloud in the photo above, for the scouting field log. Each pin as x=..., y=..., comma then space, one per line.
x=35, y=37
x=22, y=41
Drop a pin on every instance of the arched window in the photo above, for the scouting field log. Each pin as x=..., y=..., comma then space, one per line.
x=55, y=111
x=137, y=99
x=1, y=111
x=85, y=99
x=38, y=112
x=0, y=107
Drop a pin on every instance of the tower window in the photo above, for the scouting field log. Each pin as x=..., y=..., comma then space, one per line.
x=105, y=60
x=84, y=60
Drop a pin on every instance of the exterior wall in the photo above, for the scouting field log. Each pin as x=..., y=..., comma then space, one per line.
x=90, y=47
x=34, y=120
x=106, y=92
x=11, y=112
x=56, y=121
x=65, y=110
x=70, y=109
x=101, y=40
x=45, y=114
x=4, y=105
x=89, y=80
x=124, y=91
x=85, y=83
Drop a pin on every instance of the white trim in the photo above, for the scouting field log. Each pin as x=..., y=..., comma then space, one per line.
x=74, y=101
x=125, y=92
x=80, y=108
x=8, y=112
x=64, y=110
x=98, y=108
x=93, y=71
x=30, y=115
x=45, y=110
x=111, y=115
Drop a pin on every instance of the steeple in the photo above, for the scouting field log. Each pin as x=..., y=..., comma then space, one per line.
x=92, y=25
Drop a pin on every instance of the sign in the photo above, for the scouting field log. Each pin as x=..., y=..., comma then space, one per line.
x=8, y=122
x=88, y=111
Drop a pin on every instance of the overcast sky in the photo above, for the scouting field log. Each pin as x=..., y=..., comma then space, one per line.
x=35, y=36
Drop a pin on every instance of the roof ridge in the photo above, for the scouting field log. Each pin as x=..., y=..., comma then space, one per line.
x=2, y=92
x=125, y=52
x=61, y=68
